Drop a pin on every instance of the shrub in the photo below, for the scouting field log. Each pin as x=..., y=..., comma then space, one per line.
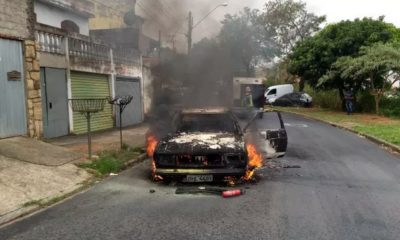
x=325, y=99
x=390, y=107
x=365, y=102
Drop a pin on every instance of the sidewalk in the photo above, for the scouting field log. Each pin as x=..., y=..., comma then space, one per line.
x=34, y=174
x=105, y=140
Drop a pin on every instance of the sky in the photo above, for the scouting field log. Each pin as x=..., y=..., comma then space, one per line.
x=335, y=10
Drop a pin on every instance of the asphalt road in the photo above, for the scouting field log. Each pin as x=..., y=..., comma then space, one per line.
x=346, y=188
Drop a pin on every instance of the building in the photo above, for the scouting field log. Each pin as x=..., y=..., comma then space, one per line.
x=117, y=23
x=60, y=61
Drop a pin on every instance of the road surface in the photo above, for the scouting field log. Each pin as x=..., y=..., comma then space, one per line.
x=346, y=188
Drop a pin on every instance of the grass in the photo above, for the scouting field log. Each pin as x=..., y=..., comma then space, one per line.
x=387, y=129
x=112, y=161
x=389, y=133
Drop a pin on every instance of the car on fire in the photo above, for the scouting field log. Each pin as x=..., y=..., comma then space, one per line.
x=205, y=145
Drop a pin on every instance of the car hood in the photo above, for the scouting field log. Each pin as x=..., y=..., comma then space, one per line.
x=200, y=143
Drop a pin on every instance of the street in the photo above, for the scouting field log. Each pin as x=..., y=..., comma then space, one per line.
x=347, y=188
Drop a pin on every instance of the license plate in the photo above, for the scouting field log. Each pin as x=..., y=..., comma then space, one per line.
x=199, y=178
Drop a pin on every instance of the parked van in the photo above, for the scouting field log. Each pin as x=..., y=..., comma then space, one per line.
x=274, y=92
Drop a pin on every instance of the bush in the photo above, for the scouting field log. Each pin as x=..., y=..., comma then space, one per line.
x=390, y=107
x=325, y=99
x=365, y=102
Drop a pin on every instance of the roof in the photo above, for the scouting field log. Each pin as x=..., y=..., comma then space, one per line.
x=211, y=110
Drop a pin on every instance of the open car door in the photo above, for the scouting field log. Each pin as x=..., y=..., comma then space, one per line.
x=269, y=134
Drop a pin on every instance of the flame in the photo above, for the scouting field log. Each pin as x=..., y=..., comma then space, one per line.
x=151, y=145
x=255, y=161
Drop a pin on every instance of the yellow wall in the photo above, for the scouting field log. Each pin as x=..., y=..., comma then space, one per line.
x=110, y=13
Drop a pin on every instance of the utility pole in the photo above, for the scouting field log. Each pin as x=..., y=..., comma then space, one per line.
x=173, y=40
x=159, y=44
x=190, y=32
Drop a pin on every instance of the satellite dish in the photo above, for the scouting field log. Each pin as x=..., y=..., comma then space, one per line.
x=130, y=18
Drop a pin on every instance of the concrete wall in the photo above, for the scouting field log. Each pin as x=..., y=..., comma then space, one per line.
x=110, y=14
x=16, y=19
x=147, y=89
x=53, y=16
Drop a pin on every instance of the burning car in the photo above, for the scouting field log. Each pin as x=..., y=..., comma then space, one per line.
x=205, y=145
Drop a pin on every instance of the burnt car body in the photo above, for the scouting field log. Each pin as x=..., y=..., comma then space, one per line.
x=207, y=145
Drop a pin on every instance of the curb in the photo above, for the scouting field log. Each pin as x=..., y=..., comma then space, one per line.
x=392, y=147
x=26, y=211
x=138, y=159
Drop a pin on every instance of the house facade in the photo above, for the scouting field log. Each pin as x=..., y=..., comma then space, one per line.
x=60, y=61
x=20, y=103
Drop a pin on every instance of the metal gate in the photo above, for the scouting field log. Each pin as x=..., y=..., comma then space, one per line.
x=12, y=90
x=54, y=102
x=89, y=85
x=133, y=113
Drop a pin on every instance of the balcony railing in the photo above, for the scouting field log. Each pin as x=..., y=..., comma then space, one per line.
x=122, y=56
x=87, y=49
x=50, y=39
x=53, y=40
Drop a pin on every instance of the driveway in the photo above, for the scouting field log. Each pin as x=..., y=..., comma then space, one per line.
x=346, y=188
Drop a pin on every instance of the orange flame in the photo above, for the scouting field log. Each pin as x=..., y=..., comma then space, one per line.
x=151, y=145
x=255, y=161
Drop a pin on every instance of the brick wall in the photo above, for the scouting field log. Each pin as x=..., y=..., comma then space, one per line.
x=16, y=19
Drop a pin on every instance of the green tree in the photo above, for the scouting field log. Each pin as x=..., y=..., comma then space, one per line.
x=314, y=57
x=288, y=22
x=377, y=69
x=240, y=37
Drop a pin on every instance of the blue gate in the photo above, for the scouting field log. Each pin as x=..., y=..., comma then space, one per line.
x=12, y=90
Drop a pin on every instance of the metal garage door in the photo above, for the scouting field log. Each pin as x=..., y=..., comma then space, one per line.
x=54, y=102
x=12, y=90
x=133, y=113
x=89, y=85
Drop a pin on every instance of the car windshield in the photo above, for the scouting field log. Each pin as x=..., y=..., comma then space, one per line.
x=206, y=123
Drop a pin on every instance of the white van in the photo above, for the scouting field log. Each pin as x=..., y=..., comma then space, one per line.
x=274, y=92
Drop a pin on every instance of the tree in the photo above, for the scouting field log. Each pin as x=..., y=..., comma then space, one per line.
x=288, y=22
x=377, y=69
x=240, y=37
x=314, y=57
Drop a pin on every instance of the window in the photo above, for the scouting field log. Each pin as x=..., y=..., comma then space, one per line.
x=69, y=26
x=272, y=91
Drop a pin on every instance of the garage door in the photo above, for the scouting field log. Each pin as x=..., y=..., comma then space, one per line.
x=133, y=112
x=88, y=85
x=12, y=90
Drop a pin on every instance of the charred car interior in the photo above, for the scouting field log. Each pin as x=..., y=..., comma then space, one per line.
x=207, y=145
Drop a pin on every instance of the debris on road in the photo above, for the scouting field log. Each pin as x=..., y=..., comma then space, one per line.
x=232, y=193
x=291, y=166
x=224, y=192
x=152, y=191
